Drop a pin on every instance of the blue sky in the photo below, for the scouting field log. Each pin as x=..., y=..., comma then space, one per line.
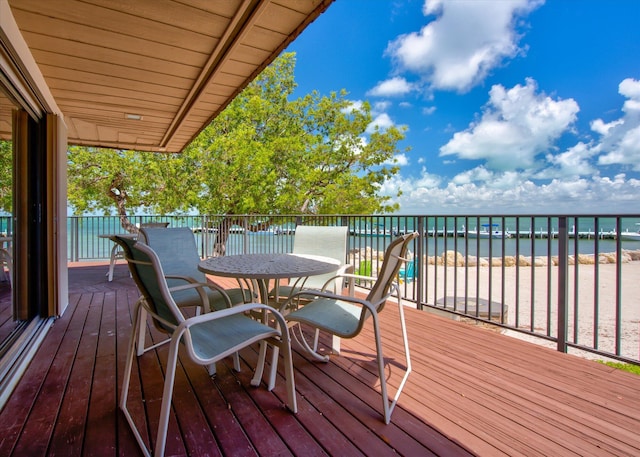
x=512, y=106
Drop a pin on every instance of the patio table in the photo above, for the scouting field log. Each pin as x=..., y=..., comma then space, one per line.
x=260, y=268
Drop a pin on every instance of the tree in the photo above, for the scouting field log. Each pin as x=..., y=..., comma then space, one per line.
x=263, y=154
x=267, y=154
x=107, y=180
x=6, y=176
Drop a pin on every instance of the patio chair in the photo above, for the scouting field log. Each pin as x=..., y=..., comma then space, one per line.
x=176, y=248
x=322, y=241
x=326, y=241
x=207, y=338
x=6, y=259
x=116, y=252
x=345, y=316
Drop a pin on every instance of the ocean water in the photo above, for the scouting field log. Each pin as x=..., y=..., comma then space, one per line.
x=85, y=243
x=594, y=235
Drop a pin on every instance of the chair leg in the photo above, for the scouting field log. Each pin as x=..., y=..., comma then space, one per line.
x=274, y=368
x=211, y=368
x=303, y=342
x=141, y=335
x=335, y=344
x=285, y=346
x=262, y=356
x=387, y=408
x=141, y=331
x=386, y=413
x=124, y=394
x=167, y=394
x=112, y=261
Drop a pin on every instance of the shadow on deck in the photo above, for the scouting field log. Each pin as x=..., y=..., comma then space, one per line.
x=472, y=392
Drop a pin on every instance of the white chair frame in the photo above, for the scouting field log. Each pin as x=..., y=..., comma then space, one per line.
x=181, y=334
x=351, y=313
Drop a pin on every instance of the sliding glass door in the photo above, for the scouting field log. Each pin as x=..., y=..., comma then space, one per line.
x=11, y=322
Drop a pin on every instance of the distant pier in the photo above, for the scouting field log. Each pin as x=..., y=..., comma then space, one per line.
x=462, y=233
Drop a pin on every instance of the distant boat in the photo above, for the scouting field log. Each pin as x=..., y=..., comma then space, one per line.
x=488, y=231
x=630, y=236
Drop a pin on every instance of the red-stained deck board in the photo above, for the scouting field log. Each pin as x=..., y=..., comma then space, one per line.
x=39, y=424
x=472, y=392
x=18, y=408
x=68, y=435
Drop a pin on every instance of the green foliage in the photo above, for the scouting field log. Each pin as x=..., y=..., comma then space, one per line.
x=6, y=176
x=106, y=180
x=635, y=369
x=263, y=154
x=267, y=154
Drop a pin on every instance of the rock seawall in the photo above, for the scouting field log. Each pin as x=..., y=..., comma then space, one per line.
x=456, y=259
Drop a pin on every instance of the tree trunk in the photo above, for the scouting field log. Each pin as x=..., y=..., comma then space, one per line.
x=222, y=235
x=119, y=196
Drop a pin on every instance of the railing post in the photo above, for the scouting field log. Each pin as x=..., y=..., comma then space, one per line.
x=420, y=272
x=75, y=236
x=563, y=290
x=245, y=235
x=204, y=238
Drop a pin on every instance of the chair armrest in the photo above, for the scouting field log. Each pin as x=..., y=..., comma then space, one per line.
x=182, y=330
x=346, y=274
x=326, y=294
x=373, y=307
x=238, y=309
x=342, y=272
x=183, y=277
x=199, y=286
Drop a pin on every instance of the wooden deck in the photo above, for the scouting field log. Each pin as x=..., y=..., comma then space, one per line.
x=472, y=392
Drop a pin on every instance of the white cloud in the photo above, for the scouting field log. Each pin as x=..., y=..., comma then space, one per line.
x=630, y=88
x=398, y=159
x=391, y=87
x=513, y=193
x=381, y=106
x=469, y=176
x=382, y=122
x=620, y=139
x=463, y=44
x=600, y=127
x=428, y=110
x=517, y=124
x=575, y=161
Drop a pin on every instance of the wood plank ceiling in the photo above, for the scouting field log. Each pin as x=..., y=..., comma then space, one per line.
x=151, y=74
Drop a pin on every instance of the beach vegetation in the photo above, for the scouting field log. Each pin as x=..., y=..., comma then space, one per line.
x=635, y=369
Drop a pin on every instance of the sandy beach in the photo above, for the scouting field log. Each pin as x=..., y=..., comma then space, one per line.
x=592, y=301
